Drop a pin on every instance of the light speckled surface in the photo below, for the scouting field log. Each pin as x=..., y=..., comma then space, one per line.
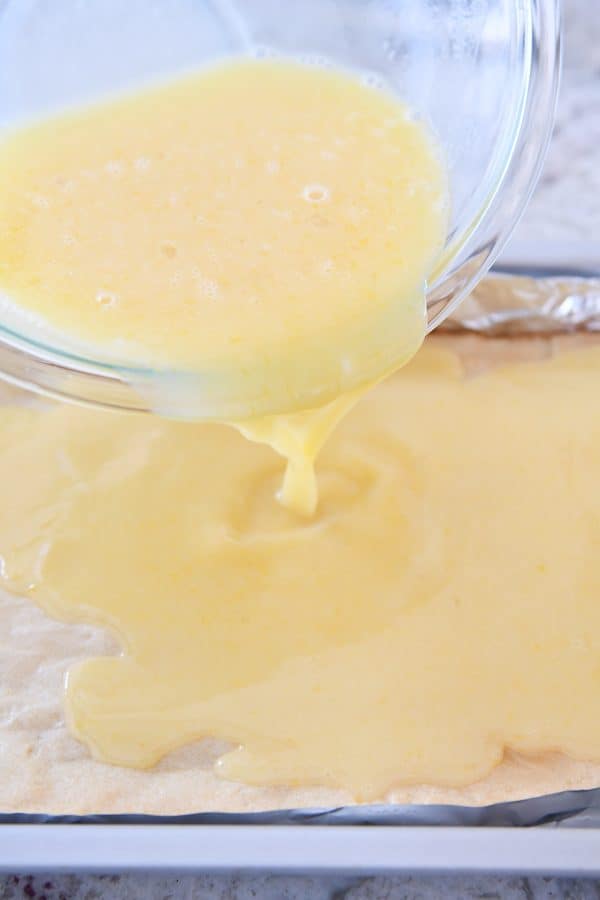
x=206, y=887
x=566, y=205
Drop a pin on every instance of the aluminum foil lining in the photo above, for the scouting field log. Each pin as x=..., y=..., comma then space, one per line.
x=511, y=305
x=569, y=809
x=502, y=305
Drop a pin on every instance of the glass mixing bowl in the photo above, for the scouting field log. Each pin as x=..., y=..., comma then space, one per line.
x=483, y=73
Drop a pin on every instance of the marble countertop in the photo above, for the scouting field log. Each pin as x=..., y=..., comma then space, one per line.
x=566, y=206
x=239, y=887
x=566, y=203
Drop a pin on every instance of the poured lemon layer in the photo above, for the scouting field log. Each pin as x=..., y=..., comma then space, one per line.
x=442, y=605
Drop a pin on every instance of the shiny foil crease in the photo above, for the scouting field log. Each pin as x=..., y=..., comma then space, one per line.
x=503, y=305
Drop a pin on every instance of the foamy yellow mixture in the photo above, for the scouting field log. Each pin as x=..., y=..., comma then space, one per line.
x=267, y=225
x=437, y=600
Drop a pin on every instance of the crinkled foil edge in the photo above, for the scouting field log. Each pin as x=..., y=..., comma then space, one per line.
x=577, y=809
x=506, y=305
x=503, y=305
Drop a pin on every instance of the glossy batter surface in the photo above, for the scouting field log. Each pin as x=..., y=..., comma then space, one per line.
x=441, y=606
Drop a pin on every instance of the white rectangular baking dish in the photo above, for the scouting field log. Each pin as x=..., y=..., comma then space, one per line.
x=551, y=835
x=347, y=849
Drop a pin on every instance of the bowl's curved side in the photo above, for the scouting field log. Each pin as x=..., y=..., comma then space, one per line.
x=472, y=252
x=476, y=240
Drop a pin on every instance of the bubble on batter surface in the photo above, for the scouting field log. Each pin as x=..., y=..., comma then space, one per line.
x=107, y=298
x=316, y=193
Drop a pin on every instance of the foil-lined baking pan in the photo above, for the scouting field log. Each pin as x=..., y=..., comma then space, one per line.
x=558, y=833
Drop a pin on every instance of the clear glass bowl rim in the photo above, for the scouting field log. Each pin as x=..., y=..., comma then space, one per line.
x=61, y=374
